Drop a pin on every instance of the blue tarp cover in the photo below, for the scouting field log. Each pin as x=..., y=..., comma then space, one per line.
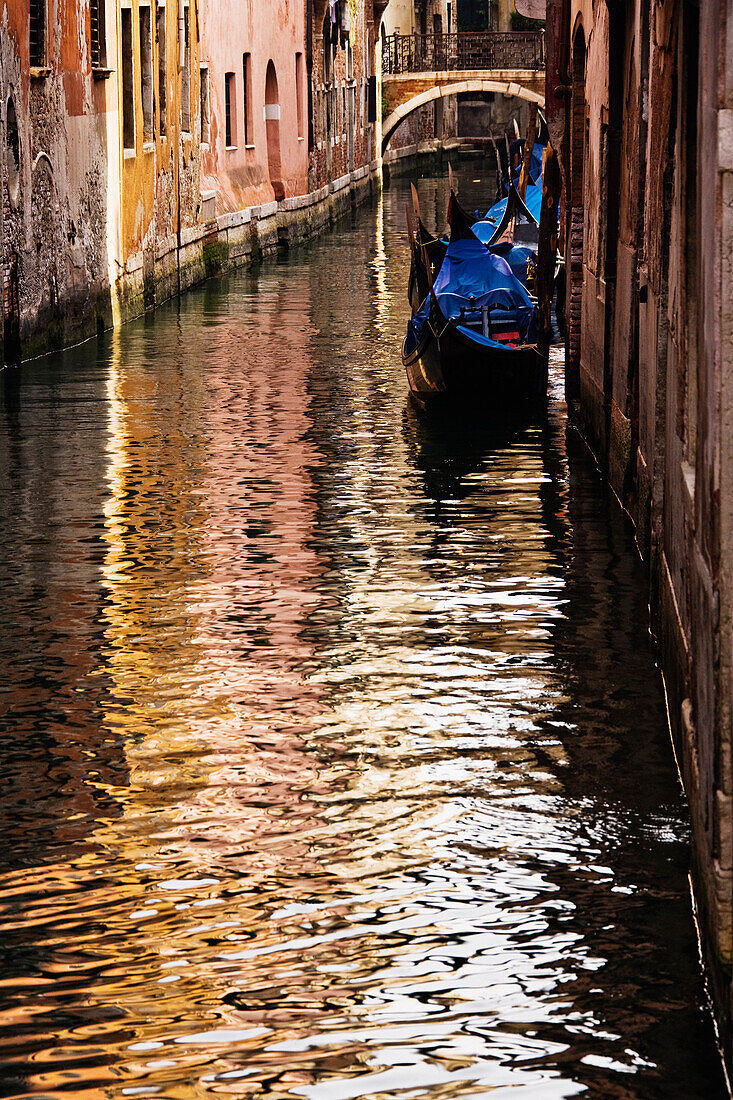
x=469, y=272
x=535, y=164
x=532, y=200
x=415, y=326
x=495, y=214
x=516, y=256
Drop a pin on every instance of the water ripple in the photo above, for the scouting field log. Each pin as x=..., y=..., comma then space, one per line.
x=334, y=759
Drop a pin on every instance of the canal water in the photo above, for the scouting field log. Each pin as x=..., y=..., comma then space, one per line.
x=333, y=754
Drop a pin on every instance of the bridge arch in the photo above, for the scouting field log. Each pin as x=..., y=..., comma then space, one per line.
x=441, y=91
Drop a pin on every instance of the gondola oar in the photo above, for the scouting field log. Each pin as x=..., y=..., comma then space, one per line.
x=415, y=202
x=410, y=228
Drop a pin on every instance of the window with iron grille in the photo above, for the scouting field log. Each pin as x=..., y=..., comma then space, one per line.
x=37, y=33
x=299, y=92
x=204, y=89
x=146, y=71
x=97, y=36
x=128, y=85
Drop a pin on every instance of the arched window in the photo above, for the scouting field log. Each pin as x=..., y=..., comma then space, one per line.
x=327, y=47
x=12, y=152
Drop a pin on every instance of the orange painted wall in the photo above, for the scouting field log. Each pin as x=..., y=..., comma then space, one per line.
x=159, y=176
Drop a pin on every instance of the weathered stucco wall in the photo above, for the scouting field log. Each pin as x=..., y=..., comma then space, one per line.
x=119, y=187
x=159, y=155
x=268, y=32
x=344, y=132
x=648, y=155
x=55, y=199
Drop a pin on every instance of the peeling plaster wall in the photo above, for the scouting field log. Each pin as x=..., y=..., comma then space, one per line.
x=56, y=207
x=162, y=213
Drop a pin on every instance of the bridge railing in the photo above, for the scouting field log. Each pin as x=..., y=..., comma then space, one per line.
x=424, y=53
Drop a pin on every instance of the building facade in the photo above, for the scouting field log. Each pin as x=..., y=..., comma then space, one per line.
x=255, y=103
x=56, y=106
x=344, y=110
x=640, y=106
x=158, y=249
x=148, y=143
x=438, y=120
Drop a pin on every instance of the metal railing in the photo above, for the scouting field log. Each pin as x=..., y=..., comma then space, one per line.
x=426, y=53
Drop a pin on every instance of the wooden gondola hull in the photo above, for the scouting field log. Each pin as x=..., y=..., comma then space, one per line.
x=424, y=369
x=457, y=368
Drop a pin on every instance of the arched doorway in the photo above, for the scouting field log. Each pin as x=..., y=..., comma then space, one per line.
x=272, y=123
x=576, y=218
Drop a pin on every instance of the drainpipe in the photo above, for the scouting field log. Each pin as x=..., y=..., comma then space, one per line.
x=181, y=37
x=309, y=70
x=181, y=63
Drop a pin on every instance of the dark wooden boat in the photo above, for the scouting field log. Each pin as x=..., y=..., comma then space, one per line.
x=425, y=249
x=474, y=347
x=451, y=361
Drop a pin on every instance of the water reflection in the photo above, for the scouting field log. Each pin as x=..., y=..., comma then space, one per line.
x=334, y=757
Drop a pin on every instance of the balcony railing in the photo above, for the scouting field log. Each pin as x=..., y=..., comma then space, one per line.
x=427, y=53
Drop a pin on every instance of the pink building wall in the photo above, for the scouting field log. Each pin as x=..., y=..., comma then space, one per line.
x=241, y=174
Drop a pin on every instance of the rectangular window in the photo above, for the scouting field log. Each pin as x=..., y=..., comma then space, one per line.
x=162, y=70
x=205, y=121
x=97, y=34
x=299, y=92
x=247, y=98
x=37, y=33
x=146, y=72
x=128, y=81
x=372, y=105
x=230, y=99
x=186, y=74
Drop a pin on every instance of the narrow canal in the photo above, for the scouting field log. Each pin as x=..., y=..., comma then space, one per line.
x=333, y=755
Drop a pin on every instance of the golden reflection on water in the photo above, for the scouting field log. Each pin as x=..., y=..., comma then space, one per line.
x=355, y=802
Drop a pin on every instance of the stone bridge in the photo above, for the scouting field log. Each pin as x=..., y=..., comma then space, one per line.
x=418, y=68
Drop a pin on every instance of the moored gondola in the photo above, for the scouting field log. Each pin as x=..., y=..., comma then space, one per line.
x=474, y=336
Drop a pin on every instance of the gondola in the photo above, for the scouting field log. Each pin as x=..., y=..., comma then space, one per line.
x=474, y=336
x=515, y=236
